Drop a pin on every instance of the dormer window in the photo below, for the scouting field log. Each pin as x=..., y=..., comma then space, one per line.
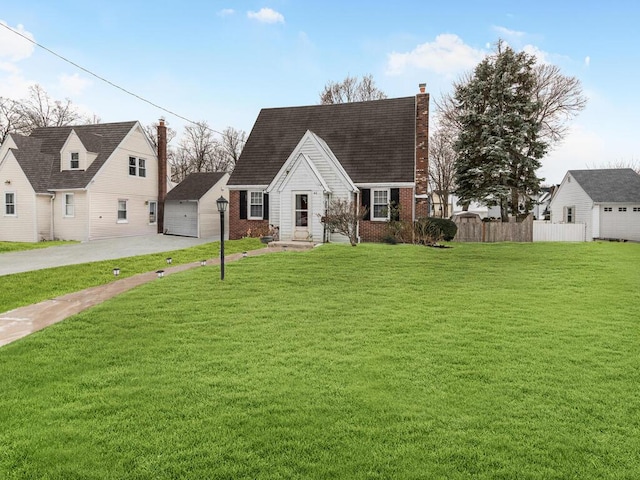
x=74, y=164
x=137, y=167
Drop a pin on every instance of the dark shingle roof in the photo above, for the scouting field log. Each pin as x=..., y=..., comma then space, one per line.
x=374, y=141
x=616, y=185
x=194, y=186
x=39, y=153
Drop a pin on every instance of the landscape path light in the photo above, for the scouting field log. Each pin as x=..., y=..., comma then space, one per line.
x=222, y=207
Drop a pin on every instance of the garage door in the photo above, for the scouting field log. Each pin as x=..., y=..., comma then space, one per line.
x=620, y=222
x=181, y=218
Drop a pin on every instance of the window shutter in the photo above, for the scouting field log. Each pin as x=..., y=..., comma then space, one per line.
x=366, y=203
x=395, y=204
x=243, y=204
x=265, y=206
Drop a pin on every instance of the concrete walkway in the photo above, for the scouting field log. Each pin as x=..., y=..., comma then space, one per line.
x=22, y=321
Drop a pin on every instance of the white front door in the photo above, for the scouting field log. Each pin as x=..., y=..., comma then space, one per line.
x=301, y=216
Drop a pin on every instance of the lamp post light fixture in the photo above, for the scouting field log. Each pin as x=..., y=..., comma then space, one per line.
x=222, y=207
x=116, y=271
x=169, y=260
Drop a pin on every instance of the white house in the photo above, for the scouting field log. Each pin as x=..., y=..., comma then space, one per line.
x=190, y=209
x=297, y=160
x=606, y=201
x=80, y=183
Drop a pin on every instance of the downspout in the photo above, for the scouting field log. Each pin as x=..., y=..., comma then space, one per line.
x=53, y=217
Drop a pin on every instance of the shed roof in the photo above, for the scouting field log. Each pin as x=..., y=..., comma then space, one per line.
x=615, y=185
x=195, y=186
x=374, y=141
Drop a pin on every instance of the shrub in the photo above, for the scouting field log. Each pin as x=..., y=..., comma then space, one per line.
x=430, y=230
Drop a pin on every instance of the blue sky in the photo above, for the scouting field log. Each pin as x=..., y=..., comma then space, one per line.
x=222, y=61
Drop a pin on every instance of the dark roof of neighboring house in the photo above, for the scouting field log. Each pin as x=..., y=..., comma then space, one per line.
x=616, y=185
x=39, y=153
x=194, y=186
x=374, y=141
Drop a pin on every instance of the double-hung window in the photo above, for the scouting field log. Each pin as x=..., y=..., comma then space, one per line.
x=137, y=167
x=255, y=205
x=380, y=205
x=570, y=214
x=153, y=212
x=122, y=211
x=74, y=162
x=10, y=203
x=69, y=205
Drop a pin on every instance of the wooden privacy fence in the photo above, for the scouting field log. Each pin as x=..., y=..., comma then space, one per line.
x=479, y=231
x=559, y=232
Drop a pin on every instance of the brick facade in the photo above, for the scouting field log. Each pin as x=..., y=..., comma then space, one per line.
x=239, y=228
x=371, y=231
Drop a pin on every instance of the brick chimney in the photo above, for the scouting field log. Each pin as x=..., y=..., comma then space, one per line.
x=422, y=152
x=162, y=172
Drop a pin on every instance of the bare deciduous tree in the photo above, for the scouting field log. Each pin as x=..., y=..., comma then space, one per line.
x=351, y=90
x=342, y=216
x=560, y=98
x=442, y=166
x=633, y=164
x=37, y=110
x=200, y=150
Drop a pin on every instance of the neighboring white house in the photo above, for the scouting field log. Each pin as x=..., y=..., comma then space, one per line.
x=79, y=183
x=606, y=201
x=190, y=209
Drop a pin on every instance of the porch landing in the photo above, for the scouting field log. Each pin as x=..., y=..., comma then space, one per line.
x=293, y=244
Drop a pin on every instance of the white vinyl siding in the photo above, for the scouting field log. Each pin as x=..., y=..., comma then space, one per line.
x=570, y=194
x=113, y=182
x=302, y=179
x=70, y=227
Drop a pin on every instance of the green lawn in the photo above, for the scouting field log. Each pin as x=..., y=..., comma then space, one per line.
x=18, y=246
x=22, y=289
x=475, y=362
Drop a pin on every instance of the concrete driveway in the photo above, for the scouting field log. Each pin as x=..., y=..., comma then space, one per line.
x=93, y=251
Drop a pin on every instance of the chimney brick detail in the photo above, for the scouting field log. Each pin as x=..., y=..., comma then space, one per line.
x=422, y=151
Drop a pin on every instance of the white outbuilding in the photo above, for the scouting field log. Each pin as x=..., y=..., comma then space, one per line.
x=606, y=201
x=190, y=208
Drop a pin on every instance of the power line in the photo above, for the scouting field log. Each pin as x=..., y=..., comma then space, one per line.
x=109, y=82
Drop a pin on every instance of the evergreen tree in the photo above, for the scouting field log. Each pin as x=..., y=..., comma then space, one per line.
x=499, y=146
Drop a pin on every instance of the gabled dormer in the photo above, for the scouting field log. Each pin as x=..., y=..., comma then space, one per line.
x=74, y=155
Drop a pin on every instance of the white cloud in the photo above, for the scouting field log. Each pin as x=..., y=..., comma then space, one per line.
x=13, y=47
x=506, y=32
x=447, y=55
x=587, y=61
x=225, y=12
x=266, y=15
x=73, y=84
x=541, y=56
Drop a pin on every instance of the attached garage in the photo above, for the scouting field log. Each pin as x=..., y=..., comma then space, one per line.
x=190, y=209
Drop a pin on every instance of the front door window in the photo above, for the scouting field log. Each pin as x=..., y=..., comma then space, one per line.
x=302, y=210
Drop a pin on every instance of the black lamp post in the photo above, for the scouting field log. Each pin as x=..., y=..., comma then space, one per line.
x=222, y=207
